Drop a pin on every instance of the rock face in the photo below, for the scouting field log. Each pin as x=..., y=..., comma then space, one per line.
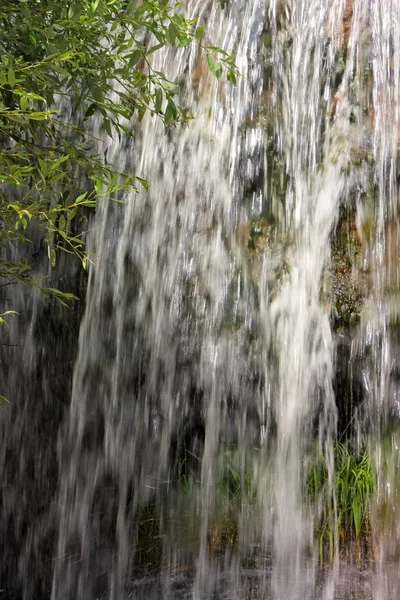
x=348, y=16
x=348, y=281
x=39, y=385
x=284, y=9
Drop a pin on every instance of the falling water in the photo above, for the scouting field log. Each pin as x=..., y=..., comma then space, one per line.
x=208, y=358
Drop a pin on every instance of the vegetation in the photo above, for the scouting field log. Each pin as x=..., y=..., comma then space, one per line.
x=341, y=506
x=344, y=512
x=62, y=64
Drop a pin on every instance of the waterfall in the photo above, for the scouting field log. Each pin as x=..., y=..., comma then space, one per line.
x=221, y=312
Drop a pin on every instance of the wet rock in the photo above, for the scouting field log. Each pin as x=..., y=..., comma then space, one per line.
x=348, y=282
x=348, y=387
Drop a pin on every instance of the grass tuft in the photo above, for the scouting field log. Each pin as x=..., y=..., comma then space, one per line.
x=344, y=503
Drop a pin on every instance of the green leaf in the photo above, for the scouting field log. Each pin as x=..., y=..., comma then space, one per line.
x=74, y=11
x=217, y=50
x=172, y=33
x=72, y=213
x=9, y=312
x=134, y=58
x=211, y=63
x=23, y=102
x=218, y=70
x=131, y=6
x=158, y=100
x=14, y=205
x=53, y=257
x=107, y=127
x=90, y=110
x=59, y=295
x=154, y=49
x=57, y=163
x=98, y=182
x=143, y=182
x=170, y=112
x=3, y=398
x=37, y=116
x=183, y=42
x=199, y=32
x=230, y=75
x=56, y=67
x=141, y=112
x=11, y=76
x=43, y=167
x=94, y=4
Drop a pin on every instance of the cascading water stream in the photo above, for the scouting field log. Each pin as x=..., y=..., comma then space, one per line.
x=203, y=387
x=161, y=296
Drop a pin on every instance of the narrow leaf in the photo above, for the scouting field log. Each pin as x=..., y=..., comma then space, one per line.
x=90, y=110
x=107, y=127
x=134, y=58
x=218, y=70
x=158, y=100
x=53, y=257
x=211, y=63
x=143, y=182
x=154, y=49
x=11, y=76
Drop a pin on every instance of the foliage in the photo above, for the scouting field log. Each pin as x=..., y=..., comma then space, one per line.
x=345, y=500
x=232, y=483
x=342, y=503
x=62, y=63
x=235, y=484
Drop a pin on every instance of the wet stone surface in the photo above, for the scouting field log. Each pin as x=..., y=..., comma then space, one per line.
x=352, y=584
